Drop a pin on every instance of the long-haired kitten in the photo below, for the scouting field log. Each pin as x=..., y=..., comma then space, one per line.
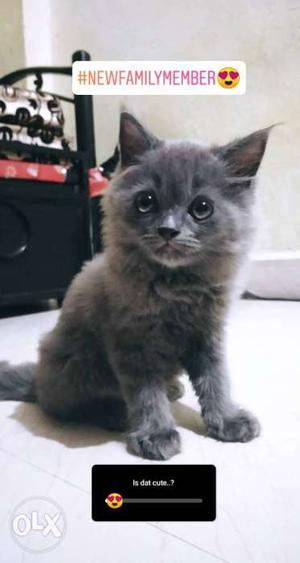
x=177, y=225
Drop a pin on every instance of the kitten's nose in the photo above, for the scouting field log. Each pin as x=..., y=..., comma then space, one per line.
x=167, y=233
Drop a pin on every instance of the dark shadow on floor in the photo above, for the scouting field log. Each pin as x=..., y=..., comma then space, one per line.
x=188, y=418
x=73, y=435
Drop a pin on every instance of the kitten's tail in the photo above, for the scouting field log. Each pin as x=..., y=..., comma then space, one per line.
x=17, y=382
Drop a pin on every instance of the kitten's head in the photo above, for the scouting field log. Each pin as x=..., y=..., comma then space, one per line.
x=177, y=203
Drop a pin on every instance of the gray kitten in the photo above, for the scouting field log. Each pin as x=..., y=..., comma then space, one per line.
x=177, y=224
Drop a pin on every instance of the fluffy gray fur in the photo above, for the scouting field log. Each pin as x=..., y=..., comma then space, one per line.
x=155, y=302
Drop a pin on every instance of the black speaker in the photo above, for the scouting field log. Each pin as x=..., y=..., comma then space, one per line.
x=45, y=236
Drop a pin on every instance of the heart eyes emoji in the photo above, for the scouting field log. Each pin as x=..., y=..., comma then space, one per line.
x=228, y=77
x=114, y=500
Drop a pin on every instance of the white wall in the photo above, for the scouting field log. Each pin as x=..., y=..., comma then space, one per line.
x=265, y=34
x=11, y=36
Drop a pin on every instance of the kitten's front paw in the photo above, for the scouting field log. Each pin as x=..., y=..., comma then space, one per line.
x=160, y=445
x=241, y=427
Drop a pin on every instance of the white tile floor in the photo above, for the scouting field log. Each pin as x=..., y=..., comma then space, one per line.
x=258, y=483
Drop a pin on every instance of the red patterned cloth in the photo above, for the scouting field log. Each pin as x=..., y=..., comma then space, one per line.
x=50, y=173
x=97, y=182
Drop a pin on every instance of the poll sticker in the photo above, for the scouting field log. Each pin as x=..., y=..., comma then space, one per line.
x=153, y=492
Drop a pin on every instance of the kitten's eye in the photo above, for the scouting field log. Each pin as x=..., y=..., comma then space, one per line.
x=201, y=208
x=145, y=202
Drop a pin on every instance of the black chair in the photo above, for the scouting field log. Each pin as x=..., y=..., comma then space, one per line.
x=48, y=230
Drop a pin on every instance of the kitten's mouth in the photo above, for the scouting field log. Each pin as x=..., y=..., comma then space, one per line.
x=171, y=250
x=169, y=247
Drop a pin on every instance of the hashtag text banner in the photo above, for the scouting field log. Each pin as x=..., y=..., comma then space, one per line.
x=136, y=78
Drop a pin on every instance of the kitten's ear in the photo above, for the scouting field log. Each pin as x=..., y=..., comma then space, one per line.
x=244, y=156
x=134, y=139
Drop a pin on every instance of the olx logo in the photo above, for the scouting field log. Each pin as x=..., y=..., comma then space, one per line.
x=38, y=524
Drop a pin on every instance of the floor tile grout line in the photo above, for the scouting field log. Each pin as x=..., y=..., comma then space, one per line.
x=3, y=450
x=235, y=527
x=65, y=481
x=187, y=542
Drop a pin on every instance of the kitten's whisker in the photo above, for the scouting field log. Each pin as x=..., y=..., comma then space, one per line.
x=239, y=179
x=188, y=242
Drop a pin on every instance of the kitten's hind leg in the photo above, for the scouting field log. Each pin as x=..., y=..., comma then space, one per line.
x=109, y=413
x=84, y=405
x=71, y=386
